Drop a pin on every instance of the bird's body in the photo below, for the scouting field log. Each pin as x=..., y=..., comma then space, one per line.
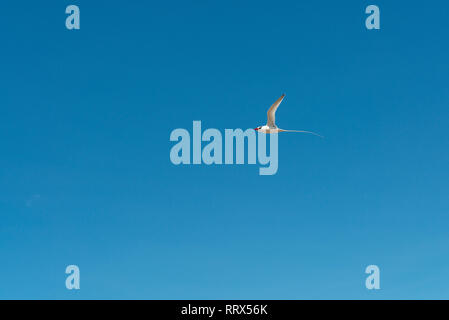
x=271, y=127
x=267, y=129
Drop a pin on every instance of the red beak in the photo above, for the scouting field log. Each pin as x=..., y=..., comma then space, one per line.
x=256, y=129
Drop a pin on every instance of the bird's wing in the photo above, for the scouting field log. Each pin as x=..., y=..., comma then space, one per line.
x=272, y=111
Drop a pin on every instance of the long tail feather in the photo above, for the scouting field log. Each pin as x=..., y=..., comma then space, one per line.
x=302, y=131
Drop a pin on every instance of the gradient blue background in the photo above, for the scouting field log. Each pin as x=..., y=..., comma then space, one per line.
x=85, y=175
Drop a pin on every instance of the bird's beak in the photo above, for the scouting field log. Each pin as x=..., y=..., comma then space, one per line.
x=256, y=129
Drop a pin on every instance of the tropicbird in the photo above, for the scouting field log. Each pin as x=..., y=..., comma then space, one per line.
x=271, y=127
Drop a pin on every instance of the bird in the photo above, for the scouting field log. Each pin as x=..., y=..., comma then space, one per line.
x=271, y=127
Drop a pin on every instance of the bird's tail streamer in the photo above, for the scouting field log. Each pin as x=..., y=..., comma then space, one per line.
x=303, y=131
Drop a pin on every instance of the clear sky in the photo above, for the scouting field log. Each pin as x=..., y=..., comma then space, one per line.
x=86, y=177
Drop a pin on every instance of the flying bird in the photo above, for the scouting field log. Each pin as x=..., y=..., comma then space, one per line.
x=271, y=127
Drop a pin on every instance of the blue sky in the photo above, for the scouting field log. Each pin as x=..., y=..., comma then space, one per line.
x=86, y=178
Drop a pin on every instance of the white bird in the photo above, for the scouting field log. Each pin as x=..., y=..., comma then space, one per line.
x=271, y=127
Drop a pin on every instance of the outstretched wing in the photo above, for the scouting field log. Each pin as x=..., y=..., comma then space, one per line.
x=272, y=111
